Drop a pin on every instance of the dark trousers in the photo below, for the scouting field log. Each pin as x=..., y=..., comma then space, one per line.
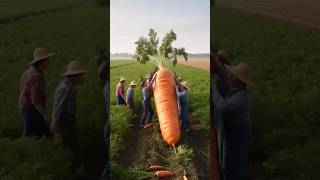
x=147, y=109
x=120, y=100
x=220, y=137
x=105, y=174
x=236, y=150
x=34, y=123
x=185, y=122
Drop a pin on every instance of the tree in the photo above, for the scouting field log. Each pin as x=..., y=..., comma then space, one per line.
x=148, y=47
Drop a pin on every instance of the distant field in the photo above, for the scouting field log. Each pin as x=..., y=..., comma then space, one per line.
x=302, y=11
x=201, y=63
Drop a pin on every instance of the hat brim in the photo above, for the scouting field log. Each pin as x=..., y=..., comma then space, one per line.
x=41, y=58
x=225, y=59
x=123, y=79
x=71, y=73
x=133, y=85
x=245, y=80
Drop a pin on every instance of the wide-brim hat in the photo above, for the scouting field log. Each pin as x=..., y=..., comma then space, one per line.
x=241, y=71
x=133, y=83
x=227, y=56
x=122, y=78
x=74, y=68
x=185, y=84
x=40, y=54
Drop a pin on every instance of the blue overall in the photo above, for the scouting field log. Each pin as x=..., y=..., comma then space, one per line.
x=146, y=104
x=183, y=113
x=237, y=132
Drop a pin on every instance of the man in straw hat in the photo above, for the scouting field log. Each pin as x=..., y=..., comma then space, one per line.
x=120, y=91
x=222, y=57
x=32, y=95
x=64, y=120
x=236, y=120
x=182, y=95
x=130, y=96
x=146, y=102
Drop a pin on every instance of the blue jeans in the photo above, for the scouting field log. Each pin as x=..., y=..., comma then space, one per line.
x=185, y=122
x=147, y=108
x=34, y=123
x=120, y=100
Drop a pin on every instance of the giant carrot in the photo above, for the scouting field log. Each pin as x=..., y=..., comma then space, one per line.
x=164, y=89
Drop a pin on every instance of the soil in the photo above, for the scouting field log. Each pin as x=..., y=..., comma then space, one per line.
x=145, y=147
x=201, y=63
x=305, y=12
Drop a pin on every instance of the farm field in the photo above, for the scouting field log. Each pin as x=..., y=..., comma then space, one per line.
x=285, y=60
x=305, y=12
x=134, y=149
x=201, y=63
x=73, y=34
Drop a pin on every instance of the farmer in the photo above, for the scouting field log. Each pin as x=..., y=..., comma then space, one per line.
x=182, y=94
x=222, y=57
x=236, y=120
x=64, y=112
x=146, y=102
x=130, y=96
x=32, y=95
x=120, y=91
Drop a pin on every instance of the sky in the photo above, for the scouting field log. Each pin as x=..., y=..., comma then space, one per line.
x=189, y=19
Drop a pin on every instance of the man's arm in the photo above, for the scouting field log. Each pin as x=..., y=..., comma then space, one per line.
x=37, y=95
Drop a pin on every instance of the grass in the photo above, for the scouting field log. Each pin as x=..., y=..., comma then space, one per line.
x=73, y=34
x=285, y=61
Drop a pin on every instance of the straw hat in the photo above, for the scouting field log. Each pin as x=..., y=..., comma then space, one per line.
x=185, y=84
x=133, y=83
x=73, y=69
x=241, y=71
x=227, y=56
x=40, y=54
x=179, y=78
x=122, y=78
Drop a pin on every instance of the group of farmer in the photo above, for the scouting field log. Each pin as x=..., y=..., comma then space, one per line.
x=230, y=101
x=32, y=100
x=147, y=93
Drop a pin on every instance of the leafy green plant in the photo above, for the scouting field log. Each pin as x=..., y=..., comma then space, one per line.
x=182, y=157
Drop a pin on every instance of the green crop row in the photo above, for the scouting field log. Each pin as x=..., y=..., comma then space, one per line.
x=73, y=34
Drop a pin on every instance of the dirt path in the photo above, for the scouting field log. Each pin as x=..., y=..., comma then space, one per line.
x=201, y=63
x=145, y=147
x=305, y=12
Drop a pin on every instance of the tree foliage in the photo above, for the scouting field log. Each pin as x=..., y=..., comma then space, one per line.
x=147, y=47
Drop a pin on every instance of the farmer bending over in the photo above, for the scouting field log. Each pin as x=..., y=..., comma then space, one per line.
x=146, y=102
x=120, y=91
x=64, y=112
x=182, y=95
x=236, y=119
x=130, y=96
x=32, y=95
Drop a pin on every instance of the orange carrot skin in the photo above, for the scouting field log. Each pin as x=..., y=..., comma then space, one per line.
x=164, y=89
x=163, y=173
x=157, y=167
